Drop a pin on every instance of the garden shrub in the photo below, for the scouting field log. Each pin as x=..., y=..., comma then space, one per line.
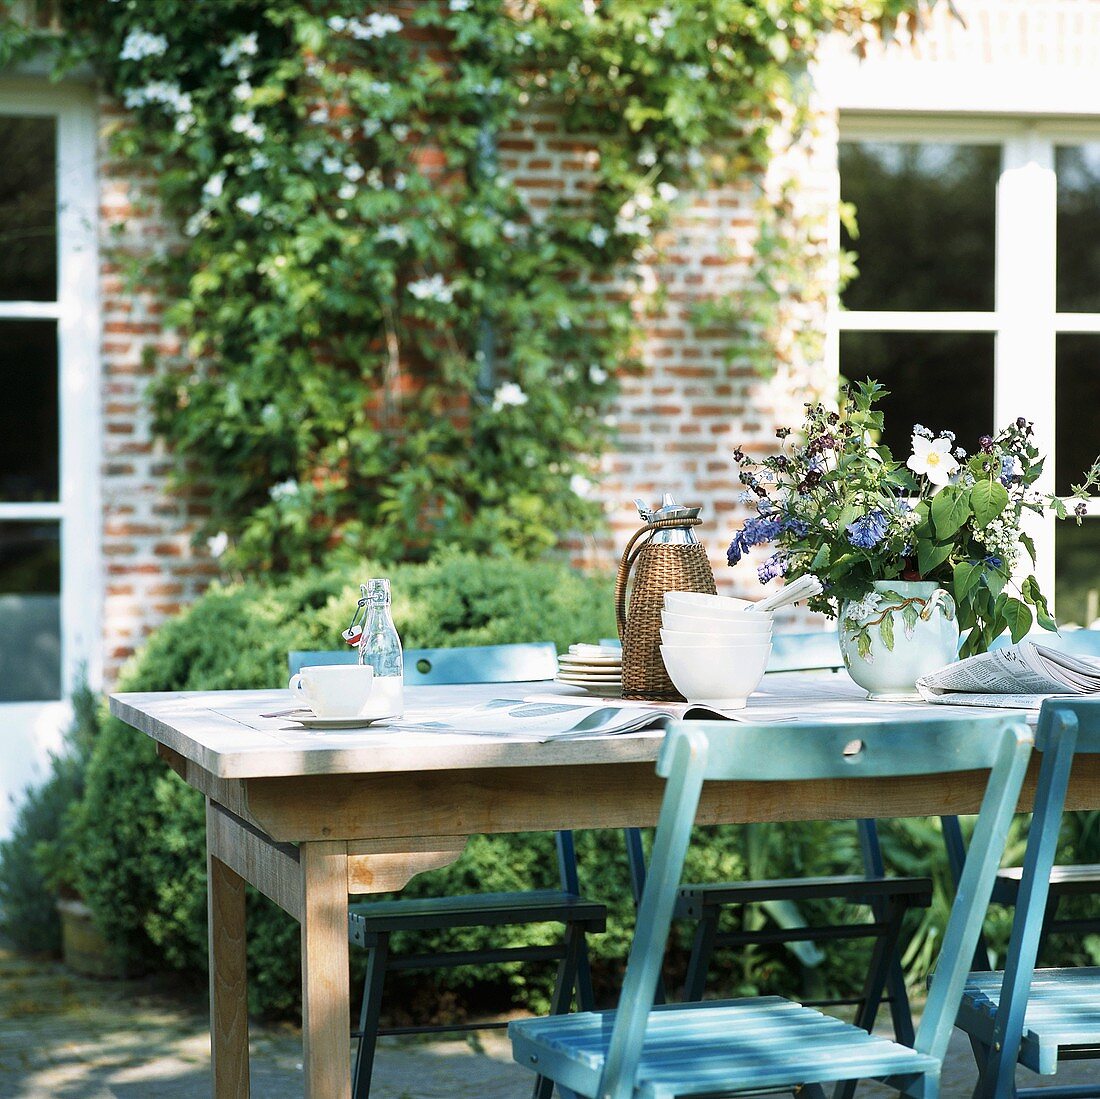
x=33, y=863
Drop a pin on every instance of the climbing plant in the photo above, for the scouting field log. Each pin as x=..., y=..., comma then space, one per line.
x=389, y=343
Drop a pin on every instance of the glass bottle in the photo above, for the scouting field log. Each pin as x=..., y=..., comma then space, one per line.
x=380, y=647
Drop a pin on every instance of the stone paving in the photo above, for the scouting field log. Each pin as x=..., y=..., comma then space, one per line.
x=68, y=1037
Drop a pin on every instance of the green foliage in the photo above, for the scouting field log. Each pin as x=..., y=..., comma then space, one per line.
x=34, y=860
x=389, y=344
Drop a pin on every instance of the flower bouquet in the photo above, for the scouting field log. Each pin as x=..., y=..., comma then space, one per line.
x=836, y=503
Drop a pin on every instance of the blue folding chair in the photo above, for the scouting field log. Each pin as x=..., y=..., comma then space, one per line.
x=722, y=1048
x=889, y=898
x=1038, y=1018
x=371, y=924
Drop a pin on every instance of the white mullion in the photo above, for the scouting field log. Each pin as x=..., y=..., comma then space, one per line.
x=78, y=338
x=1092, y=505
x=30, y=512
x=1077, y=322
x=1025, y=289
x=904, y=320
x=29, y=310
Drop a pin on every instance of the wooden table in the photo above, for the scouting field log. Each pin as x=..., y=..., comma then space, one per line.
x=309, y=817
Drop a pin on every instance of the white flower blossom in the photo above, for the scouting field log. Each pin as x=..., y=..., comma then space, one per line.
x=259, y=162
x=598, y=235
x=243, y=91
x=597, y=375
x=354, y=172
x=400, y=181
x=284, y=490
x=508, y=395
x=159, y=91
x=319, y=115
x=250, y=204
x=338, y=24
x=140, y=44
x=668, y=192
x=695, y=72
x=394, y=233
x=213, y=187
x=525, y=38
x=376, y=25
x=331, y=165
x=433, y=288
x=932, y=457
x=380, y=87
x=218, y=544
x=661, y=22
x=346, y=192
x=459, y=5
x=245, y=46
x=370, y=127
x=580, y=486
x=400, y=131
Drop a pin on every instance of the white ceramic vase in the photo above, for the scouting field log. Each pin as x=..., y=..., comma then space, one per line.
x=902, y=630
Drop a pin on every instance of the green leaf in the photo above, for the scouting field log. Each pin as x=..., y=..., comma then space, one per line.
x=988, y=499
x=964, y=578
x=863, y=644
x=931, y=554
x=950, y=510
x=886, y=630
x=1028, y=543
x=909, y=616
x=1016, y=615
x=821, y=558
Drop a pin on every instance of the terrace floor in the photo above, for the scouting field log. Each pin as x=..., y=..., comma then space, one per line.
x=70, y=1037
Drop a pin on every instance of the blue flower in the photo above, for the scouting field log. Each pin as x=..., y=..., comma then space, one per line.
x=993, y=561
x=1008, y=472
x=756, y=531
x=776, y=565
x=868, y=530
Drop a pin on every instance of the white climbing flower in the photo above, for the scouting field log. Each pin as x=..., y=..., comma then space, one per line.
x=218, y=544
x=598, y=236
x=580, y=486
x=284, y=490
x=433, y=288
x=597, y=375
x=214, y=186
x=508, y=395
x=140, y=44
x=250, y=204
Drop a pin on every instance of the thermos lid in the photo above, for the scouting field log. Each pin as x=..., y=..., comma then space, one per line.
x=669, y=509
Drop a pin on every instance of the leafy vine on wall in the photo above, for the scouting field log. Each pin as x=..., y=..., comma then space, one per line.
x=389, y=345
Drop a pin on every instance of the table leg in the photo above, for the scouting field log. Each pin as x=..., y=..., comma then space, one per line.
x=228, y=978
x=326, y=1008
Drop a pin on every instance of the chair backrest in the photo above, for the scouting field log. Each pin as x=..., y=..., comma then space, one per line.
x=1077, y=642
x=473, y=664
x=815, y=650
x=696, y=751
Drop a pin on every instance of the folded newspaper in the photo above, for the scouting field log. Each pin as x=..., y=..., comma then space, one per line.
x=1016, y=677
x=550, y=718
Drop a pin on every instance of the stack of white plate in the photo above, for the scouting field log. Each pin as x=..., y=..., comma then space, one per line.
x=596, y=668
x=715, y=648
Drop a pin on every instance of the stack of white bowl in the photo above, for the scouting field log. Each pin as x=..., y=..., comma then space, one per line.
x=715, y=648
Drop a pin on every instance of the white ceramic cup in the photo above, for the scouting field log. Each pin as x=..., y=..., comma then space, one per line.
x=335, y=690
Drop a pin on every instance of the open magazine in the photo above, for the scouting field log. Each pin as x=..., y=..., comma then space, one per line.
x=1017, y=676
x=549, y=718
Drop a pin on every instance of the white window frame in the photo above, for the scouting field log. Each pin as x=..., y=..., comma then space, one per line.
x=1024, y=320
x=76, y=310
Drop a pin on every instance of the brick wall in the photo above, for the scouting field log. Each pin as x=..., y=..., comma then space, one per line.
x=151, y=569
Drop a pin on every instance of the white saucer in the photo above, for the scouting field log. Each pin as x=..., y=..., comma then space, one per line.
x=591, y=661
x=312, y=722
x=600, y=690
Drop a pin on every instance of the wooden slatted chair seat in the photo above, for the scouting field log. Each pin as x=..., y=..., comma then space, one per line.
x=687, y=1049
x=1062, y=1015
x=854, y=888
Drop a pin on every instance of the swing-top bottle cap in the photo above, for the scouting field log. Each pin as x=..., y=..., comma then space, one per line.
x=376, y=592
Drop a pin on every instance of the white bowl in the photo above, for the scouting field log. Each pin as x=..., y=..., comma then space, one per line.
x=745, y=626
x=716, y=677
x=709, y=606
x=677, y=639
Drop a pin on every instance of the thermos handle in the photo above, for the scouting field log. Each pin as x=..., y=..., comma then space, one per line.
x=630, y=555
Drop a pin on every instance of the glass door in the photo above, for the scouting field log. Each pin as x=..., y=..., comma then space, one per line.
x=49, y=421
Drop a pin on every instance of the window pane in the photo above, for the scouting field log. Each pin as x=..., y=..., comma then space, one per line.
x=920, y=369
x=30, y=612
x=29, y=411
x=1077, y=572
x=28, y=209
x=1078, y=169
x=1077, y=401
x=927, y=224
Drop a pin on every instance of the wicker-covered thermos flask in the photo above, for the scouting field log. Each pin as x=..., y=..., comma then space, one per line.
x=667, y=557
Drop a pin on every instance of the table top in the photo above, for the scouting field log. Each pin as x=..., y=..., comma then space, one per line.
x=223, y=732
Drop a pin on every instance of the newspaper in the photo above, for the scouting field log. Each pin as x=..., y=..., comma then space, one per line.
x=1015, y=677
x=549, y=718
